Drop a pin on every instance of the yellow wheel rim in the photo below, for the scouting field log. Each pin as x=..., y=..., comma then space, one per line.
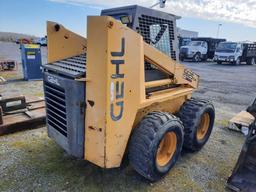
x=203, y=126
x=166, y=149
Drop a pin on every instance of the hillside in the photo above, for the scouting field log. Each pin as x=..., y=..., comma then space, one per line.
x=11, y=37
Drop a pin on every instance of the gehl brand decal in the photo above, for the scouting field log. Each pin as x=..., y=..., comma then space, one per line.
x=117, y=84
x=189, y=75
x=53, y=80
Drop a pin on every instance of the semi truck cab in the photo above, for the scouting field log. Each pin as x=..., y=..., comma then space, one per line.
x=196, y=50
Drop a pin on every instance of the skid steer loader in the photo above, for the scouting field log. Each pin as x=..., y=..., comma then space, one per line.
x=121, y=91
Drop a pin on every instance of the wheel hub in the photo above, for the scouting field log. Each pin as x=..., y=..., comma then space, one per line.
x=203, y=126
x=253, y=61
x=166, y=149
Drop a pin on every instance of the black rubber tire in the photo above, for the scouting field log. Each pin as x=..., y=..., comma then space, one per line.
x=190, y=114
x=145, y=140
x=219, y=62
x=204, y=59
x=251, y=61
x=197, y=57
x=252, y=109
x=237, y=62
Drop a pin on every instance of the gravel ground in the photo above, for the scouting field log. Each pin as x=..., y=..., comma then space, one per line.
x=30, y=161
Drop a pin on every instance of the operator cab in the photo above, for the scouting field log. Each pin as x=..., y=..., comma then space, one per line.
x=229, y=47
x=230, y=52
x=196, y=43
x=157, y=29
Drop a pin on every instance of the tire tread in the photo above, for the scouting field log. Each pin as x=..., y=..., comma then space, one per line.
x=142, y=139
x=189, y=114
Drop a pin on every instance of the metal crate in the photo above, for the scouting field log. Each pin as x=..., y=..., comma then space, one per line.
x=250, y=50
x=64, y=98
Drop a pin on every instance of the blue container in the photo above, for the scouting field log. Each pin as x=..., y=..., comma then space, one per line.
x=31, y=61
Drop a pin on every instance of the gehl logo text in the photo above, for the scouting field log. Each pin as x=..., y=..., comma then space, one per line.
x=117, y=84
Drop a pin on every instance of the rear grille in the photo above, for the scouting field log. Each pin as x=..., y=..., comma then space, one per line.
x=74, y=67
x=56, y=108
x=184, y=50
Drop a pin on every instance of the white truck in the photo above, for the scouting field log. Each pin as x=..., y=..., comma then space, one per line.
x=199, y=49
x=235, y=53
x=42, y=41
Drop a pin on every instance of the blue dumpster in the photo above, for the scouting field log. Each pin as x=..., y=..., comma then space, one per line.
x=31, y=61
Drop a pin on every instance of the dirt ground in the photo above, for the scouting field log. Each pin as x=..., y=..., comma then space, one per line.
x=30, y=161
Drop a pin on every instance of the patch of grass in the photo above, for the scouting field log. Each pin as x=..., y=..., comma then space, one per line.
x=10, y=75
x=178, y=176
x=39, y=94
x=223, y=170
x=222, y=122
x=41, y=165
x=45, y=164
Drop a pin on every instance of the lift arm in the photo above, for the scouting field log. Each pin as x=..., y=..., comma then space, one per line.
x=180, y=74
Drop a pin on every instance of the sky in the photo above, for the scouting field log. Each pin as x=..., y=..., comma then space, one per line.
x=238, y=17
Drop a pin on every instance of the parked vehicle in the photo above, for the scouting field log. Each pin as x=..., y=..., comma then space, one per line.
x=200, y=49
x=23, y=41
x=42, y=41
x=236, y=53
x=183, y=41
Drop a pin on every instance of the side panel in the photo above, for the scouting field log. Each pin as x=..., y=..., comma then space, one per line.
x=63, y=43
x=65, y=113
x=119, y=126
x=96, y=90
x=115, y=87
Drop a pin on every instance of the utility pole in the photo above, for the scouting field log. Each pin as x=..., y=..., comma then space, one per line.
x=218, y=31
x=160, y=2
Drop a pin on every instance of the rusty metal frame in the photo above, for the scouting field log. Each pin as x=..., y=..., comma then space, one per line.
x=7, y=106
x=22, y=115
